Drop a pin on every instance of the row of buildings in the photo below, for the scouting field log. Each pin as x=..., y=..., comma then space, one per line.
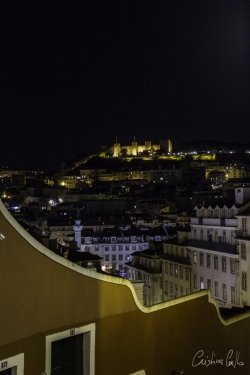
x=59, y=318
x=213, y=255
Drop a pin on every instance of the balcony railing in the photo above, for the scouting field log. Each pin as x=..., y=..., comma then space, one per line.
x=214, y=221
x=214, y=246
x=242, y=234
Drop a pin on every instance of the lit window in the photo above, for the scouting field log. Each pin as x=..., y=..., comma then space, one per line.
x=149, y=281
x=201, y=283
x=195, y=257
x=176, y=271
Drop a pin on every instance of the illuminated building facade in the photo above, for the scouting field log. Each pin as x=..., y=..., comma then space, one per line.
x=135, y=149
x=220, y=248
x=116, y=245
x=230, y=171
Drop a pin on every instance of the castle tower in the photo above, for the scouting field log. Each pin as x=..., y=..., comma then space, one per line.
x=169, y=146
x=116, y=149
x=148, y=146
x=134, y=148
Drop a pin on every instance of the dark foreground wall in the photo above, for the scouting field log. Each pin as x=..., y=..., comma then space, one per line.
x=41, y=294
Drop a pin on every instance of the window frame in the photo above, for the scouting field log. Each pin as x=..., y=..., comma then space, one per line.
x=17, y=361
x=216, y=262
x=90, y=328
x=208, y=260
x=224, y=264
x=244, y=280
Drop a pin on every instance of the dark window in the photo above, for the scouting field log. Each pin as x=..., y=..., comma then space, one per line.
x=67, y=356
x=6, y=372
x=201, y=259
x=215, y=262
x=208, y=261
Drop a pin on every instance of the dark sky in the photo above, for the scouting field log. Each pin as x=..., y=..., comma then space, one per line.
x=74, y=78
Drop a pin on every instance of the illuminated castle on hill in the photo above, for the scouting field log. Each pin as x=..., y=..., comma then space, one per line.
x=136, y=149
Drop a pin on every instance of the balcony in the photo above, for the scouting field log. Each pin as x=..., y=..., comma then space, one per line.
x=157, y=269
x=177, y=259
x=242, y=234
x=213, y=246
x=214, y=221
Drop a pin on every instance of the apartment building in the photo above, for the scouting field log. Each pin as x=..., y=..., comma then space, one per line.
x=214, y=253
x=242, y=238
x=176, y=266
x=219, y=249
x=216, y=256
x=146, y=268
x=163, y=271
x=115, y=245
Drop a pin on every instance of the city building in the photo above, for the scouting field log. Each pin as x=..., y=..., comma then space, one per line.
x=213, y=256
x=115, y=245
x=163, y=272
x=218, y=252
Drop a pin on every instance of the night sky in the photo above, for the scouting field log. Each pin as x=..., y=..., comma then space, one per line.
x=73, y=78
